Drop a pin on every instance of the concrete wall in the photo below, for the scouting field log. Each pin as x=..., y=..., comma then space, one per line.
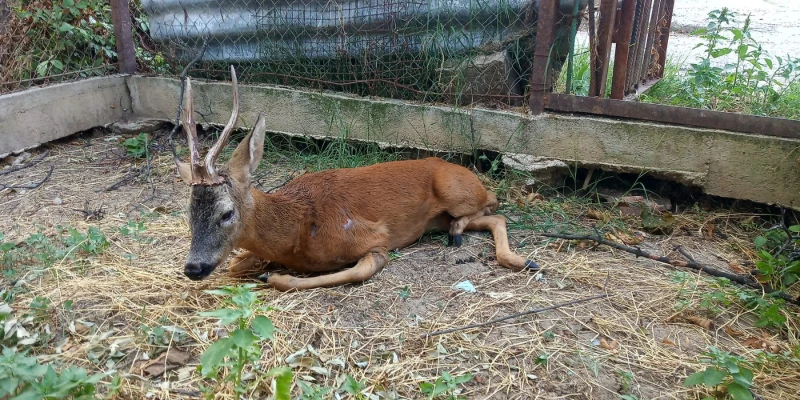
x=750, y=167
x=36, y=116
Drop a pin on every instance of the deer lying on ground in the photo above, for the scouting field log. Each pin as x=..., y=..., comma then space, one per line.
x=328, y=220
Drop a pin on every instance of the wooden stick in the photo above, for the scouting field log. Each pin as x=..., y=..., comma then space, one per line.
x=742, y=280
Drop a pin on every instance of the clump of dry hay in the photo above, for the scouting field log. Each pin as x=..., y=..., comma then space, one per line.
x=371, y=331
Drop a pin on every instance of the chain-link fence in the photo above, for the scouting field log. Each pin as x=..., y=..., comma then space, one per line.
x=453, y=51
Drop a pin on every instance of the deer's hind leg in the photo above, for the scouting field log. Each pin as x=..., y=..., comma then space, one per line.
x=496, y=224
x=364, y=269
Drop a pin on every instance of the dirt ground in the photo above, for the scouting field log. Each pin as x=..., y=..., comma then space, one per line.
x=633, y=342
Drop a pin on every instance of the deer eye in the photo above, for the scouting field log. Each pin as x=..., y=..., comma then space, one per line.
x=227, y=216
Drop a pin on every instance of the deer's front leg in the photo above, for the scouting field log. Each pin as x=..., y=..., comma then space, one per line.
x=245, y=264
x=364, y=269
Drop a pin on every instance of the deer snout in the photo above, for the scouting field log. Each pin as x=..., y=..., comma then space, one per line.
x=197, y=270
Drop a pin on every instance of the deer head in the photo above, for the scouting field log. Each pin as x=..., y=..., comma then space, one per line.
x=220, y=199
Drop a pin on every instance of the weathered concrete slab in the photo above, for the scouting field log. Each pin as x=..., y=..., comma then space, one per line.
x=748, y=167
x=35, y=116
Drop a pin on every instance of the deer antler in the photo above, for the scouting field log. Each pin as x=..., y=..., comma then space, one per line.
x=205, y=173
x=213, y=154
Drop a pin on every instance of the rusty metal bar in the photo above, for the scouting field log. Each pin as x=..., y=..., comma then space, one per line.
x=647, y=57
x=605, y=36
x=635, y=70
x=669, y=6
x=540, y=83
x=623, y=39
x=777, y=127
x=123, y=33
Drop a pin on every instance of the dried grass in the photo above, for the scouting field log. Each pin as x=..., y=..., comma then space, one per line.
x=371, y=322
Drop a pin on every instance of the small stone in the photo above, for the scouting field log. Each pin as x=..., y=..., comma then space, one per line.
x=57, y=201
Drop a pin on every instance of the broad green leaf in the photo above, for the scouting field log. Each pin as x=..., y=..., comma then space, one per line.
x=744, y=377
x=263, y=327
x=713, y=377
x=739, y=392
x=226, y=315
x=463, y=379
x=41, y=69
x=58, y=65
x=695, y=379
x=733, y=368
x=794, y=228
x=283, y=382
x=760, y=241
x=214, y=355
x=65, y=27
x=68, y=3
x=243, y=337
x=721, y=52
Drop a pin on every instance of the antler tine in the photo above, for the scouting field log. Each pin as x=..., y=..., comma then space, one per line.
x=213, y=154
x=189, y=127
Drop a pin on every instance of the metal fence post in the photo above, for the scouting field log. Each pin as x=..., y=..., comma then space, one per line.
x=123, y=32
x=540, y=83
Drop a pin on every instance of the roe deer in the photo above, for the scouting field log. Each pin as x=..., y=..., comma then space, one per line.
x=325, y=221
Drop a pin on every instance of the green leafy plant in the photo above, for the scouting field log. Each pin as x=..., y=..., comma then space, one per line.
x=22, y=377
x=731, y=372
x=243, y=346
x=92, y=242
x=312, y=392
x=444, y=385
x=353, y=387
x=137, y=147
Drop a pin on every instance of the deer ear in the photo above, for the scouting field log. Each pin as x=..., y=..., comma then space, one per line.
x=184, y=171
x=248, y=153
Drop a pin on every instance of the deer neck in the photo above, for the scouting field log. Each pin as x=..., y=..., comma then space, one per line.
x=271, y=225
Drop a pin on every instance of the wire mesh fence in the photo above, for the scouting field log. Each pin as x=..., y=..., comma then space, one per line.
x=461, y=51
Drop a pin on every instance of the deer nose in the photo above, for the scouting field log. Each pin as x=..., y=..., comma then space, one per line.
x=197, y=271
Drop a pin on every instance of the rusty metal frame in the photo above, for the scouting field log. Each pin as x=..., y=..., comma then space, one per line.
x=123, y=33
x=540, y=82
x=767, y=126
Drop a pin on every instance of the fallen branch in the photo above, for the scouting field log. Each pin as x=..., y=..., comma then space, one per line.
x=30, y=163
x=125, y=179
x=31, y=186
x=742, y=280
x=519, y=314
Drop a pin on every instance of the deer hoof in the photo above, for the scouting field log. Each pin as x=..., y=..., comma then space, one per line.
x=455, y=240
x=264, y=277
x=531, y=265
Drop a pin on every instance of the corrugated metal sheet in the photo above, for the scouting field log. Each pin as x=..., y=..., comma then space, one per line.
x=279, y=30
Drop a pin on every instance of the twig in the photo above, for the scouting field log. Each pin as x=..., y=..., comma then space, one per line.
x=31, y=186
x=30, y=163
x=91, y=214
x=125, y=179
x=183, y=76
x=535, y=311
x=742, y=280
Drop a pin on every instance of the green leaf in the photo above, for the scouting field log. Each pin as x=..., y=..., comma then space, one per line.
x=739, y=392
x=760, y=241
x=226, y=315
x=41, y=69
x=695, y=379
x=744, y=377
x=262, y=326
x=721, y=52
x=65, y=27
x=214, y=355
x=243, y=337
x=463, y=379
x=733, y=368
x=795, y=228
x=68, y=3
x=352, y=386
x=283, y=382
x=713, y=377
